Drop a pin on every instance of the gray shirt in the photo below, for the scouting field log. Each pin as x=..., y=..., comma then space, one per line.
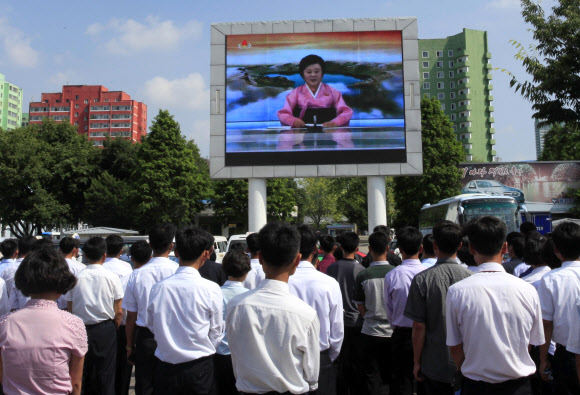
x=426, y=304
x=345, y=272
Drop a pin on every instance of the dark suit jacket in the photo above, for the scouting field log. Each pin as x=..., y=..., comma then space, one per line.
x=510, y=265
x=212, y=271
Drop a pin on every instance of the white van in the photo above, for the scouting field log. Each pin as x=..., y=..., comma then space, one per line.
x=220, y=244
x=236, y=240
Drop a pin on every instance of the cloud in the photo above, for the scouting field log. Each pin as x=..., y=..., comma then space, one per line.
x=17, y=46
x=200, y=134
x=504, y=4
x=190, y=92
x=63, y=78
x=129, y=36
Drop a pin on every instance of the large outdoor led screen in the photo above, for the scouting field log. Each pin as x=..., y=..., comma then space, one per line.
x=314, y=98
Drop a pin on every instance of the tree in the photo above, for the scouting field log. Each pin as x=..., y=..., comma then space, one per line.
x=442, y=154
x=352, y=199
x=562, y=142
x=282, y=198
x=553, y=64
x=168, y=186
x=320, y=203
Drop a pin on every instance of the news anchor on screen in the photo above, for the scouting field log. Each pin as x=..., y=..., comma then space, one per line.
x=314, y=102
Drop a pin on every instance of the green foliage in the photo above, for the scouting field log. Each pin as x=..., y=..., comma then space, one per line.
x=352, y=199
x=168, y=186
x=108, y=203
x=282, y=198
x=562, y=142
x=320, y=201
x=442, y=153
x=554, y=63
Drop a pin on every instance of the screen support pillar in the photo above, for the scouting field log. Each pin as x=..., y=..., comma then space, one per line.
x=377, y=198
x=257, y=201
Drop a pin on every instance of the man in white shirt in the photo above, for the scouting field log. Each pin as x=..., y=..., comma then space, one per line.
x=96, y=299
x=9, y=249
x=272, y=334
x=559, y=289
x=492, y=318
x=256, y=275
x=69, y=248
x=16, y=299
x=429, y=258
x=322, y=293
x=140, y=339
x=115, y=245
x=185, y=350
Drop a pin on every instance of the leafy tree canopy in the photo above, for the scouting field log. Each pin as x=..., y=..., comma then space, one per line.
x=562, y=142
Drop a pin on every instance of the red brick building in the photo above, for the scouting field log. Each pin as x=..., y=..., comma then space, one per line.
x=96, y=111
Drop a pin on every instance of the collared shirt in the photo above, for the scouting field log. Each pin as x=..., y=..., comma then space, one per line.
x=140, y=283
x=37, y=343
x=255, y=275
x=536, y=275
x=573, y=343
x=185, y=313
x=117, y=266
x=369, y=290
x=326, y=262
x=75, y=267
x=520, y=269
x=4, y=300
x=322, y=293
x=6, y=263
x=230, y=289
x=16, y=299
x=94, y=295
x=345, y=272
x=510, y=265
x=496, y=316
x=274, y=338
x=558, y=291
x=426, y=304
x=397, y=284
x=428, y=262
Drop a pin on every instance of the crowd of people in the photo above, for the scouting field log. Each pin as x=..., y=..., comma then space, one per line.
x=296, y=313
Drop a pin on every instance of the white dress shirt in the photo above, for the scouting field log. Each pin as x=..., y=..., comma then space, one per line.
x=573, y=343
x=274, y=339
x=185, y=314
x=4, y=301
x=495, y=316
x=6, y=263
x=255, y=275
x=75, y=267
x=322, y=293
x=558, y=292
x=536, y=275
x=124, y=282
x=140, y=283
x=94, y=295
x=428, y=262
x=117, y=266
x=521, y=268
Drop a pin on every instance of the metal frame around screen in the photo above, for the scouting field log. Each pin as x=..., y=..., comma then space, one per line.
x=414, y=155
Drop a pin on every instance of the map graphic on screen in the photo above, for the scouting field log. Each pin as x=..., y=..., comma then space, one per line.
x=314, y=98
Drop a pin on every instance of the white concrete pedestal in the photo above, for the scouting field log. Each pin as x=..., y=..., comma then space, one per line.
x=377, y=198
x=257, y=201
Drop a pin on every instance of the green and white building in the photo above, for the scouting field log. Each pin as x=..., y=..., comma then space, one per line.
x=10, y=105
x=456, y=71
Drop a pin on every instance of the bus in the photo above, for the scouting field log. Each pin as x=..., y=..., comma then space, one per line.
x=463, y=208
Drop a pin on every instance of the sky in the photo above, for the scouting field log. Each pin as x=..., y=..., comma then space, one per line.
x=159, y=52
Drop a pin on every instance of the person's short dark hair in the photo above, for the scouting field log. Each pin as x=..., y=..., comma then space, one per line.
x=161, y=237
x=533, y=244
x=191, y=242
x=279, y=244
x=566, y=238
x=409, y=240
x=39, y=244
x=95, y=248
x=518, y=244
x=526, y=227
x=428, y=244
x=115, y=244
x=236, y=263
x=327, y=243
x=463, y=254
x=42, y=271
x=8, y=248
x=213, y=256
x=381, y=228
x=309, y=61
x=548, y=254
x=338, y=254
x=511, y=236
x=25, y=244
x=67, y=244
x=349, y=242
x=141, y=252
x=379, y=243
x=253, y=243
x=448, y=236
x=307, y=240
x=486, y=234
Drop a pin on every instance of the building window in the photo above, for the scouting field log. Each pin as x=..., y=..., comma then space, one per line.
x=425, y=65
x=76, y=114
x=106, y=100
x=442, y=106
x=439, y=54
x=440, y=85
x=451, y=63
x=76, y=97
x=76, y=123
x=76, y=106
x=426, y=85
x=439, y=65
x=450, y=53
x=453, y=106
x=426, y=76
x=451, y=85
x=451, y=74
x=86, y=101
x=453, y=117
x=440, y=74
x=452, y=95
x=441, y=96
x=425, y=54
x=86, y=127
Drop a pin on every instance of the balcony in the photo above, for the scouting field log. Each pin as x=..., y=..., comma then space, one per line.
x=489, y=87
x=491, y=120
x=491, y=131
x=488, y=66
x=489, y=77
x=487, y=55
x=463, y=96
x=490, y=108
x=466, y=141
x=467, y=107
x=467, y=129
x=489, y=97
x=493, y=152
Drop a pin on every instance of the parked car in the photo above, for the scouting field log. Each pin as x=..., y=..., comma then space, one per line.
x=494, y=188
